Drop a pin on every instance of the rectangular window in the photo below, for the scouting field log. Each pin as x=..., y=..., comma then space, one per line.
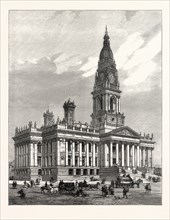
x=90, y=148
x=39, y=161
x=76, y=147
x=69, y=160
x=96, y=161
x=83, y=147
x=50, y=161
x=91, y=172
x=96, y=148
x=69, y=147
x=70, y=172
x=83, y=160
x=90, y=161
x=76, y=161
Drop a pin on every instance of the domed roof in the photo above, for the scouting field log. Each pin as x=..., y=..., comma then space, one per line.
x=106, y=52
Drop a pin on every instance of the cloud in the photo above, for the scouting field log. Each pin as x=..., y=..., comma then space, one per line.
x=133, y=42
x=152, y=48
x=89, y=68
x=140, y=74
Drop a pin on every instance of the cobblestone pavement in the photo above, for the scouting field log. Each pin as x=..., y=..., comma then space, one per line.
x=136, y=196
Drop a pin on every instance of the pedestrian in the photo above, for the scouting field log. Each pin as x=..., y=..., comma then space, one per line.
x=125, y=190
x=46, y=184
x=112, y=183
x=111, y=190
x=76, y=185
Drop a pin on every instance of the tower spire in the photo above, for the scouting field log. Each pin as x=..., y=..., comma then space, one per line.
x=106, y=32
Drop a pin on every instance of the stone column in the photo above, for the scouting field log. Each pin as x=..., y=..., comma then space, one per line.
x=105, y=155
x=58, y=152
x=66, y=152
x=127, y=154
x=103, y=102
x=143, y=158
x=106, y=106
x=117, y=153
x=87, y=154
x=93, y=160
x=31, y=155
x=80, y=154
x=15, y=155
x=151, y=158
x=35, y=154
x=108, y=101
x=111, y=154
x=138, y=158
x=73, y=153
x=147, y=157
x=119, y=104
x=123, y=158
x=133, y=155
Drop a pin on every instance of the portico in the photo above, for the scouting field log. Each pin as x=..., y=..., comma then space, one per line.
x=126, y=150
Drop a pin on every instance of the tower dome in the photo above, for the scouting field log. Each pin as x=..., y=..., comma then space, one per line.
x=106, y=52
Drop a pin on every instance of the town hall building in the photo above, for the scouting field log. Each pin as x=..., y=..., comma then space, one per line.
x=66, y=149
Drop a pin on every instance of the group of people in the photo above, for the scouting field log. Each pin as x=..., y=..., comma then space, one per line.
x=106, y=190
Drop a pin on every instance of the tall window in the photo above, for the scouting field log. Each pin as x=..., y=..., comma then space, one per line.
x=39, y=147
x=90, y=148
x=96, y=161
x=39, y=161
x=69, y=146
x=90, y=161
x=83, y=147
x=69, y=160
x=112, y=104
x=76, y=161
x=96, y=148
x=76, y=147
x=83, y=160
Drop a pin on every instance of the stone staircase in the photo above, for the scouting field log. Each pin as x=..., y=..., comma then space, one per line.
x=109, y=173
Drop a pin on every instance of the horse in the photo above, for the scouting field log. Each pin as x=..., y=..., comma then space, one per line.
x=83, y=185
x=45, y=189
x=54, y=190
x=104, y=191
x=80, y=193
x=93, y=186
x=22, y=193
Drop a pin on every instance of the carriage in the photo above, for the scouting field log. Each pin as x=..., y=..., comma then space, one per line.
x=91, y=185
x=67, y=187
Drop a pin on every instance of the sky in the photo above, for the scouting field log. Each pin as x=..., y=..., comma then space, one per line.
x=53, y=56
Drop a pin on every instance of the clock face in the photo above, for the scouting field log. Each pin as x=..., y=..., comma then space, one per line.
x=111, y=78
x=102, y=76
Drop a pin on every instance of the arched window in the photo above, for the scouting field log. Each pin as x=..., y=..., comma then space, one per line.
x=112, y=103
x=101, y=102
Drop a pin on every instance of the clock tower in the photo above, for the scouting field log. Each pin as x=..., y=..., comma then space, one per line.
x=106, y=93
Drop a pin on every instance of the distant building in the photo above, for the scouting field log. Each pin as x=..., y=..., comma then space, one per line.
x=67, y=149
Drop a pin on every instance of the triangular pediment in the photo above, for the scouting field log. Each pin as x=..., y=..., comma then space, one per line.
x=124, y=131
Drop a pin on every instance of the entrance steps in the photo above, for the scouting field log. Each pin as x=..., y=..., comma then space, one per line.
x=109, y=173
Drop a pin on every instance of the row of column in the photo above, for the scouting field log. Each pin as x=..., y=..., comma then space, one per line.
x=26, y=155
x=87, y=154
x=141, y=158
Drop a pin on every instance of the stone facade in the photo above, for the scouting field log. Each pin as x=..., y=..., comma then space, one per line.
x=67, y=149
